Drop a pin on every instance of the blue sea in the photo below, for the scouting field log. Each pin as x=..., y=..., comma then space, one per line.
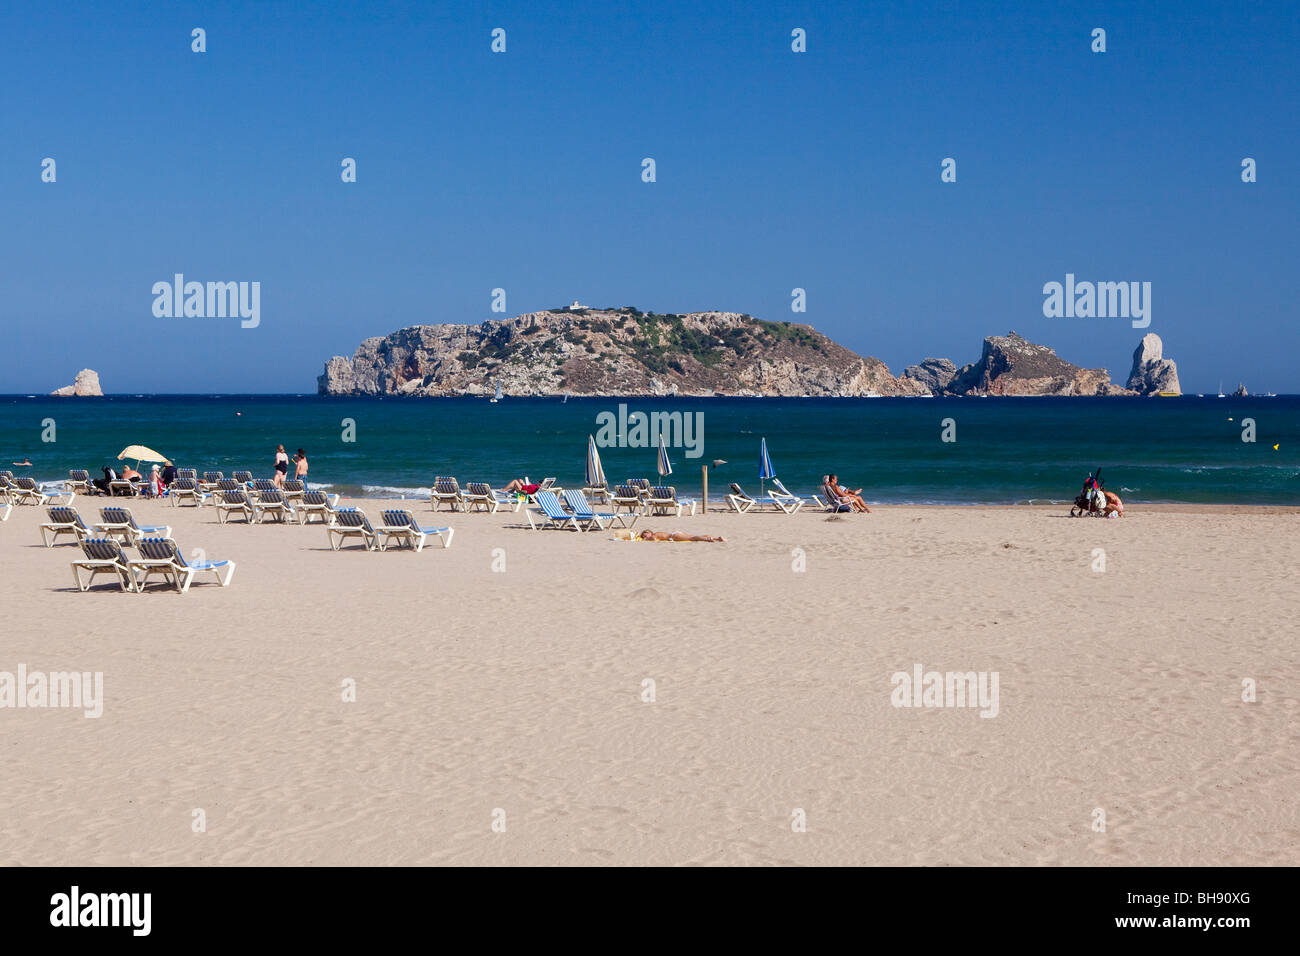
x=1007, y=450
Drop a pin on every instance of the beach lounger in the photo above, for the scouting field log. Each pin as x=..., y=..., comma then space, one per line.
x=227, y=484
x=124, y=488
x=230, y=503
x=400, y=526
x=79, y=480
x=243, y=477
x=743, y=503
x=271, y=504
x=782, y=494
x=116, y=520
x=25, y=491
x=598, y=492
x=6, y=475
x=210, y=479
x=833, y=503
x=642, y=485
x=6, y=506
x=316, y=504
x=102, y=556
x=188, y=489
x=446, y=491
x=549, y=507
x=63, y=520
x=293, y=490
x=191, y=473
x=261, y=485
x=581, y=509
x=627, y=496
x=663, y=500
x=352, y=523
x=162, y=556
x=479, y=494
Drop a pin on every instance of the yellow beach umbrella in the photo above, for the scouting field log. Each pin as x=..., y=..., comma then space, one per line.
x=140, y=453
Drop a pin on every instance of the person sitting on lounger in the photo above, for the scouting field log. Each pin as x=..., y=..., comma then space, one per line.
x=854, y=498
x=649, y=535
x=521, y=486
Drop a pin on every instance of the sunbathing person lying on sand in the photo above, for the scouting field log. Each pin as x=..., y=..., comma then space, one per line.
x=648, y=535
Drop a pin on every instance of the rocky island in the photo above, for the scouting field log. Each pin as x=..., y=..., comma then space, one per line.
x=622, y=352
x=85, y=385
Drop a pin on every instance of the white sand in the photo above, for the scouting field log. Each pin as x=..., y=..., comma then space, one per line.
x=522, y=691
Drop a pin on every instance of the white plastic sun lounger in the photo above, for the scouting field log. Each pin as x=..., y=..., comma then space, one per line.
x=102, y=556
x=352, y=523
x=400, y=526
x=116, y=520
x=581, y=510
x=446, y=491
x=549, y=507
x=162, y=556
x=63, y=520
x=663, y=500
x=316, y=504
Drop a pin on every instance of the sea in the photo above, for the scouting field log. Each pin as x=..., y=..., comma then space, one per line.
x=899, y=450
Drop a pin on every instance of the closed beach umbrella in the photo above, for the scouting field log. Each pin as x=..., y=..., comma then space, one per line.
x=595, y=473
x=140, y=453
x=765, y=469
x=665, y=466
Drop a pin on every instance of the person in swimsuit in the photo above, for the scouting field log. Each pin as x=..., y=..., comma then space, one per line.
x=281, y=466
x=300, y=467
x=648, y=535
x=521, y=486
x=852, y=497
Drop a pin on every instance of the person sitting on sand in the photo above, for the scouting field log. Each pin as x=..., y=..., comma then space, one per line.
x=648, y=535
x=1114, y=507
x=521, y=486
x=853, y=498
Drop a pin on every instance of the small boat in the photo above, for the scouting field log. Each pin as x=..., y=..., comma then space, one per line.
x=1168, y=394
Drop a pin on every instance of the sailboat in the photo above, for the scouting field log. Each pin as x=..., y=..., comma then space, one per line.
x=498, y=396
x=1221, y=395
x=566, y=398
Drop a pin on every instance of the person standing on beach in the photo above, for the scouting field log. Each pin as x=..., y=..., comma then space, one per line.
x=281, y=466
x=300, y=467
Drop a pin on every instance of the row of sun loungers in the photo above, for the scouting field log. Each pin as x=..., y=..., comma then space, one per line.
x=157, y=555
x=579, y=516
x=399, y=527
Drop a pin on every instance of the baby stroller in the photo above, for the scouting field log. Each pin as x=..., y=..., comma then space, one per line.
x=1091, y=501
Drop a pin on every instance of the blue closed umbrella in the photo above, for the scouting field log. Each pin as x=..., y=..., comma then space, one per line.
x=665, y=466
x=765, y=469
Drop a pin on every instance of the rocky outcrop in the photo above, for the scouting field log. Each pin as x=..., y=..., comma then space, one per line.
x=934, y=374
x=1152, y=372
x=611, y=352
x=86, y=384
x=1011, y=365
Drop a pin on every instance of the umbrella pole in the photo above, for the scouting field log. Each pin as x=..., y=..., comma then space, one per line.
x=704, y=471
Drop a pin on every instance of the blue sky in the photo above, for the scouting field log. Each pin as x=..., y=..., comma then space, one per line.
x=522, y=170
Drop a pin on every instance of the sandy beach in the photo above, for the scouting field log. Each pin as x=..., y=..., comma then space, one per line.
x=523, y=690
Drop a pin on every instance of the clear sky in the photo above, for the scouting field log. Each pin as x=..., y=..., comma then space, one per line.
x=522, y=170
